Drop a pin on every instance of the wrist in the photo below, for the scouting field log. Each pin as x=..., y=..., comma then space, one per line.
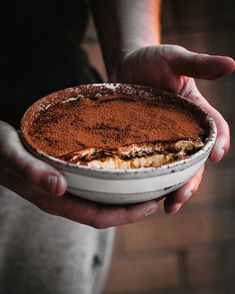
x=124, y=26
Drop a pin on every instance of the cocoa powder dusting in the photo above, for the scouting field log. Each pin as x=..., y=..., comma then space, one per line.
x=109, y=122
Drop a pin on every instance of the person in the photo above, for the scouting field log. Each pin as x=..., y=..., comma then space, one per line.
x=42, y=251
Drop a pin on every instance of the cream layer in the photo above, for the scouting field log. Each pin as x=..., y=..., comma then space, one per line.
x=135, y=155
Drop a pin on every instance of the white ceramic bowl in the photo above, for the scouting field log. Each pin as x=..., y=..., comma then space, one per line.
x=123, y=186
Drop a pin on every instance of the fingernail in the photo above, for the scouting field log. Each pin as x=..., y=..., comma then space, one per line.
x=187, y=194
x=220, y=145
x=151, y=209
x=52, y=184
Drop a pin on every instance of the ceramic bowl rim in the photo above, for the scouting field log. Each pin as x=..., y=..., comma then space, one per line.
x=130, y=173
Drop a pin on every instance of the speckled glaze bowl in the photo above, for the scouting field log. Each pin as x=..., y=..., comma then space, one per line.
x=122, y=186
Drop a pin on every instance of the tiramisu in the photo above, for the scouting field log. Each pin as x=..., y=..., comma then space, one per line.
x=116, y=132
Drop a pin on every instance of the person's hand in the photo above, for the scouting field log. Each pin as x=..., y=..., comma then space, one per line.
x=173, y=68
x=44, y=186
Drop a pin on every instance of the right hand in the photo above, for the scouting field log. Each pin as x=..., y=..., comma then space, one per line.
x=45, y=186
x=173, y=68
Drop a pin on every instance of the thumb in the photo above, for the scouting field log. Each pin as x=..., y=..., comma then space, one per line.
x=16, y=159
x=201, y=66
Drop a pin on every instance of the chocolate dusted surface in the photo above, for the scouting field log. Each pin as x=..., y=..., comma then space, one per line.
x=109, y=122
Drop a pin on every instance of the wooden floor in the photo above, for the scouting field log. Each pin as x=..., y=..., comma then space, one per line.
x=193, y=251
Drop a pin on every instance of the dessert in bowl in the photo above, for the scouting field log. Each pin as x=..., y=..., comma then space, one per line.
x=119, y=143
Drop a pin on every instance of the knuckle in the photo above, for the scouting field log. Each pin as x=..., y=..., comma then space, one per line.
x=32, y=171
x=29, y=170
x=98, y=224
x=178, y=47
x=101, y=219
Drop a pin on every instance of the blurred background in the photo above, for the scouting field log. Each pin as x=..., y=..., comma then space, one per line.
x=193, y=251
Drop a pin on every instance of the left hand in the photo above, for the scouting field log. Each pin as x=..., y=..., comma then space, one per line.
x=44, y=186
x=173, y=68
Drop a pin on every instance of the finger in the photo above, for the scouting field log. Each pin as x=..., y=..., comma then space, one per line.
x=222, y=142
x=103, y=216
x=15, y=158
x=77, y=209
x=201, y=66
x=173, y=203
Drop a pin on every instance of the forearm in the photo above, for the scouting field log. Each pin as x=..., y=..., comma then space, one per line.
x=124, y=25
